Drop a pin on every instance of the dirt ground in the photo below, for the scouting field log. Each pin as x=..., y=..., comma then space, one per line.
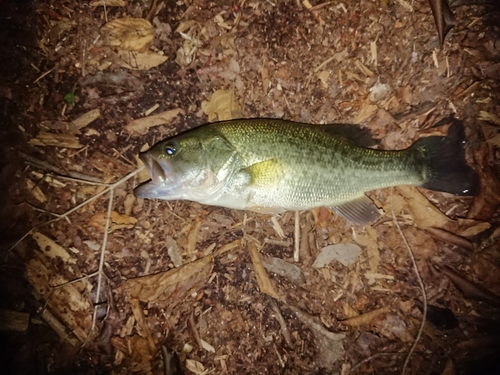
x=96, y=281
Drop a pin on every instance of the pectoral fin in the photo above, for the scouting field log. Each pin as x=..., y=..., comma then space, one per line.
x=361, y=210
x=266, y=174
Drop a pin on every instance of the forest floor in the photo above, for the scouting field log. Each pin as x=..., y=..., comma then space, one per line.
x=124, y=285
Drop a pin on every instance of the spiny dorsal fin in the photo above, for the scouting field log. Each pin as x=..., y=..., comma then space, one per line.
x=361, y=210
x=358, y=135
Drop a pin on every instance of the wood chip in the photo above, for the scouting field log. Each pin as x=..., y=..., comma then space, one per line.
x=141, y=125
x=263, y=280
x=84, y=120
x=44, y=139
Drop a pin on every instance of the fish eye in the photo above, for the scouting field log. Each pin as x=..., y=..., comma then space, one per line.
x=170, y=149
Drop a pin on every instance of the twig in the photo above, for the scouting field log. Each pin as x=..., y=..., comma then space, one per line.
x=59, y=171
x=421, y=284
x=100, y=270
x=297, y=237
x=373, y=357
x=103, y=247
x=43, y=75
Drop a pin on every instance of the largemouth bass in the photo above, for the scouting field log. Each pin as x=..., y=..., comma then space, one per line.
x=270, y=166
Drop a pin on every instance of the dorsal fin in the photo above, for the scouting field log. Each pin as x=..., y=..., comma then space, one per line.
x=358, y=135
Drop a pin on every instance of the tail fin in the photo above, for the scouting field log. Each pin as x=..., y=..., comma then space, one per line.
x=445, y=168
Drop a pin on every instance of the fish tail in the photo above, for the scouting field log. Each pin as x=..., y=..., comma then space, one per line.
x=444, y=165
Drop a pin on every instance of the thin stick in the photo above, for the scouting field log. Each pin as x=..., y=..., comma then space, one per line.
x=109, y=188
x=296, y=250
x=358, y=365
x=422, y=287
x=60, y=171
x=103, y=247
x=100, y=270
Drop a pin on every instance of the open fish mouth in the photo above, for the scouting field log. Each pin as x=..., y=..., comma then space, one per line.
x=162, y=184
x=159, y=170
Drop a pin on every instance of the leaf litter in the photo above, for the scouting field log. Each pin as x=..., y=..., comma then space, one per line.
x=196, y=279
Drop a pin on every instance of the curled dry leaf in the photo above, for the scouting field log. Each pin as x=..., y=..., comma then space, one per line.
x=195, y=367
x=69, y=303
x=345, y=253
x=470, y=289
x=36, y=191
x=141, y=125
x=130, y=34
x=192, y=236
x=118, y=221
x=173, y=251
x=285, y=269
x=84, y=120
x=367, y=110
x=263, y=280
x=424, y=213
x=393, y=326
x=221, y=106
x=141, y=325
x=141, y=60
x=52, y=249
x=367, y=318
x=138, y=354
x=451, y=238
x=172, y=285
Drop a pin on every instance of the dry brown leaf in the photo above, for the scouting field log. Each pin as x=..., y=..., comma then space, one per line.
x=489, y=117
x=141, y=125
x=474, y=229
x=227, y=247
x=368, y=318
x=263, y=280
x=138, y=353
x=349, y=312
x=130, y=34
x=172, y=285
x=84, y=120
x=56, y=140
x=495, y=140
x=118, y=221
x=195, y=367
x=36, y=191
x=51, y=249
x=128, y=203
x=393, y=326
x=141, y=60
x=424, y=213
x=451, y=238
x=221, y=106
x=141, y=325
x=366, y=111
x=192, y=237
x=67, y=302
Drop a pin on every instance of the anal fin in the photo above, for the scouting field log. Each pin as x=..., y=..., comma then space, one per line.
x=361, y=210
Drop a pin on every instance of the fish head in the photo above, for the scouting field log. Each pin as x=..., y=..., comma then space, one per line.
x=189, y=166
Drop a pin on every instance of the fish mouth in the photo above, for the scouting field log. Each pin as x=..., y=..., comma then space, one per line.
x=162, y=182
x=159, y=170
